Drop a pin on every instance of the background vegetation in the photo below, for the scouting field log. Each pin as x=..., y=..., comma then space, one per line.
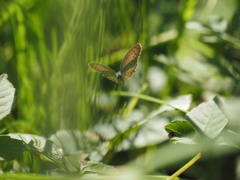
x=189, y=47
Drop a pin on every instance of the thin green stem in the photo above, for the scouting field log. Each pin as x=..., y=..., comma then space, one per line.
x=180, y=171
x=145, y=97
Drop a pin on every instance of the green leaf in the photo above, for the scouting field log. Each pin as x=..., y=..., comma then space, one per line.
x=119, y=137
x=207, y=118
x=6, y=96
x=181, y=132
x=180, y=128
x=10, y=148
x=40, y=145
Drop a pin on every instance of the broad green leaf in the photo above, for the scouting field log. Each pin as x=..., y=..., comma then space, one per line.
x=207, y=118
x=181, y=132
x=10, y=148
x=40, y=145
x=119, y=137
x=6, y=96
x=180, y=128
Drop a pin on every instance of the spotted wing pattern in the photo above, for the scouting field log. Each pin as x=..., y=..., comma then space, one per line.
x=106, y=71
x=130, y=61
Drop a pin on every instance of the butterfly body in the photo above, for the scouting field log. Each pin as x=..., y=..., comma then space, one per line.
x=119, y=77
x=127, y=68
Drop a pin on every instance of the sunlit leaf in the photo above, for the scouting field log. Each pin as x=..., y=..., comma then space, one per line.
x=207, y=118
x=6, y=96
x=40, y=145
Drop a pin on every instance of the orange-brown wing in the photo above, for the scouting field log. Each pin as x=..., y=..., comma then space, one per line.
x=130, y=61
x=106, y=71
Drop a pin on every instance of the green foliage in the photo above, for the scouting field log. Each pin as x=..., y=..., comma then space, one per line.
x=10, y=147
x=181, y=132
x=207, y=119
x=6, y=96
x=68, y=121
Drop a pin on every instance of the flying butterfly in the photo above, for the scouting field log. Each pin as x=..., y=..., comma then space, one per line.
x=127, y=68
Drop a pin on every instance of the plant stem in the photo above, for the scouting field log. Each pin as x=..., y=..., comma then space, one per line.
x=145, y=97
x=180, y=171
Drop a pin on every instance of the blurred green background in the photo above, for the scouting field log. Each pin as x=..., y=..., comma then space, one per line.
x=189, y=47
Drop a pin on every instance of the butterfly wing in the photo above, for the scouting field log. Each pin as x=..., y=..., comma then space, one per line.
x=106, y=71
x=130, y=61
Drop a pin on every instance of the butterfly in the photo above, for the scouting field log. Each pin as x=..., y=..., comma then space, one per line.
x=127, y=68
